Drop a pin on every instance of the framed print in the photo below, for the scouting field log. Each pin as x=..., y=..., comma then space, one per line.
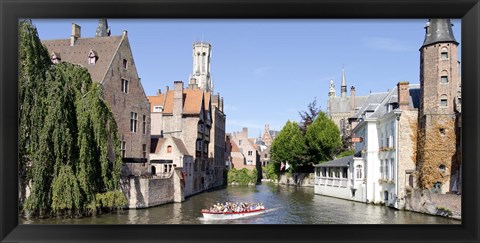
x=171, y=150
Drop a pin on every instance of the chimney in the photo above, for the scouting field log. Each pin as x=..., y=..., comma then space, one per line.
x=76, y=30
x=245, y=132
x=403, y=96
x=159, y=92
x=177, y=104
x=352, y=98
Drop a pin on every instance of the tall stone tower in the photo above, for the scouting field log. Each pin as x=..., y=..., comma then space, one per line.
x=201, y=65
x=439, y=107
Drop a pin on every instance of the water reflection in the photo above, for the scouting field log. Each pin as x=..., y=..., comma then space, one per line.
x=285, y=205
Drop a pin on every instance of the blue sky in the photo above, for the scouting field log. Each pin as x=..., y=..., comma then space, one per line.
x=269, y=70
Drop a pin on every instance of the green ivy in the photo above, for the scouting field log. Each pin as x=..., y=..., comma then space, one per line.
x=68, y=137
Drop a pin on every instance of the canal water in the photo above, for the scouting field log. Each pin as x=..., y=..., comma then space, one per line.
x=285, y=204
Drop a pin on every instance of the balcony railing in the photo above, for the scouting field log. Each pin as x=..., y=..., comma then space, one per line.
x=334, y=182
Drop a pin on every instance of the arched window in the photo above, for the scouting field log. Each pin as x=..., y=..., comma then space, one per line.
x=154, y=170
x=444, y=53
x=444, y=77
x=443, y=101
x=359, y=171
x=169, y=149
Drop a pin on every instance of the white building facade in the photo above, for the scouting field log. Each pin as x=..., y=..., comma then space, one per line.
x=381, y=170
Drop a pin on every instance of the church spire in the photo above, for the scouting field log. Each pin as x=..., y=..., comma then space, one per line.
x=102, y=28
x=344, y=84
x=438, y=30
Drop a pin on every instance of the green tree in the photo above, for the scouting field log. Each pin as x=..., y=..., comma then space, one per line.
x=323, y=139
x=288, y=146
x=69, y=146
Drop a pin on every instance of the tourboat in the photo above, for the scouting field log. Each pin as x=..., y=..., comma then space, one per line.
x=233, y=211
x=207, y=214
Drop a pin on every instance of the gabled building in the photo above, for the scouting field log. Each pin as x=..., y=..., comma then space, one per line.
x=380, y=170
x=185, y=114
x=244, y=152
x=109, y=60
x=168, y=153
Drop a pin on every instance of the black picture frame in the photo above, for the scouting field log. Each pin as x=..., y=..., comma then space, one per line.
x=11, y=11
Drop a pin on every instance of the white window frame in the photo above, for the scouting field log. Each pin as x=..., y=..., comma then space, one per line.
x=133, y=122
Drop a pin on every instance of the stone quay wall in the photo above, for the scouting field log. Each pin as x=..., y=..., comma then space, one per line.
x=297, y=179
x=424, y=201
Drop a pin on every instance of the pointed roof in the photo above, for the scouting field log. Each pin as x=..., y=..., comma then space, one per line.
x=438, y=30
x=344, y=81
x=106, y=47
x=102, y=28
x=192, y=101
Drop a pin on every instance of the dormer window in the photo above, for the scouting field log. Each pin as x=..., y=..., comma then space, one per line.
x=157, y=108
x=92, y=57
x=55, y=58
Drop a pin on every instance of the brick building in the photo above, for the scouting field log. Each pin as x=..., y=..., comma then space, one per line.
x=244, y=152
x=109, y=60
x=440, y=109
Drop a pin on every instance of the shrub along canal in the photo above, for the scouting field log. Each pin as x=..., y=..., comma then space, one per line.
x=285, y=204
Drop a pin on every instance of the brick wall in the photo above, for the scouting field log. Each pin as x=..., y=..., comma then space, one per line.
x=122, y=104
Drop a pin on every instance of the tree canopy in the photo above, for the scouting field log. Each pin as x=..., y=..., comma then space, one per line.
x=68, y=138
x=288, y=146
x=323, y=139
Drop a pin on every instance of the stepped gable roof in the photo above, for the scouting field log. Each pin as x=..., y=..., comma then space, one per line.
x=342, y=105
x=437, y=31
x=372, y=101
x=105, y=47
x=341, y=162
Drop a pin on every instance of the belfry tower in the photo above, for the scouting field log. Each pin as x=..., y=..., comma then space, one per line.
x=439, y=107
x=201, y=65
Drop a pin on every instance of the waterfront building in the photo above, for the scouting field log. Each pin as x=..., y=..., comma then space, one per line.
x=244, y=153
x=440, y=110
x=168, y=153
x=405, y=133
x=385, y=155
x=195, y=116
x=185, y=114
x=109, y=60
